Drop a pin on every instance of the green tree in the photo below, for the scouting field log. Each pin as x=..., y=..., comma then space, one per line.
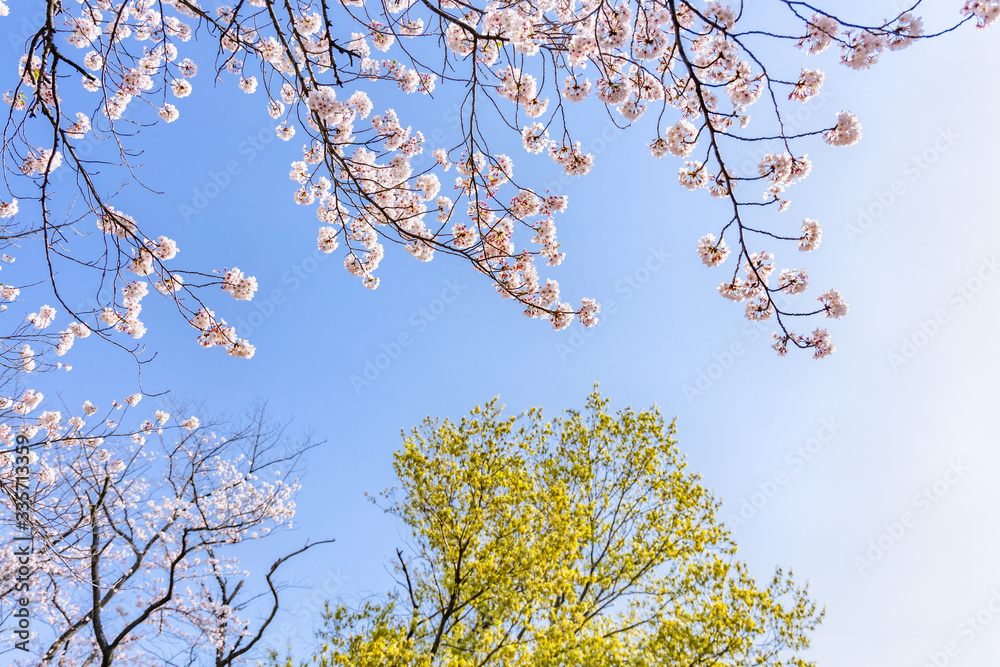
x=577, y=541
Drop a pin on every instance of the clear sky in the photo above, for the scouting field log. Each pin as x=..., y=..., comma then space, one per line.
x=872, y=473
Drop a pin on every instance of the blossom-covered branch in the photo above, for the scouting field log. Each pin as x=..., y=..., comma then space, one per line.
x=136, y=527
x=324, y=67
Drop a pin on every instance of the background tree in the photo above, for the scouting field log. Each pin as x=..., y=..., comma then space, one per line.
x=580, y=540
x=135, y=532
x=98, y=71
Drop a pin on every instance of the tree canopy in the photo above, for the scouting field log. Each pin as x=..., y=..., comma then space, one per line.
x=577, y=540
x=122, y=539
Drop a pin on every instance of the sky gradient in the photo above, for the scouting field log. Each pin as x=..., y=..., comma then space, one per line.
x=872, y=474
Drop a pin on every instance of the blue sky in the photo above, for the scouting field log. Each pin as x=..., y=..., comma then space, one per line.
x=890, y=441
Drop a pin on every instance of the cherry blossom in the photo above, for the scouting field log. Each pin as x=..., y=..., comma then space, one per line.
x=812, y=234
x=986, y=12
x=323, y=70
x=846, y=132
x=833, y=303
x=150, y=514
x=712, y=253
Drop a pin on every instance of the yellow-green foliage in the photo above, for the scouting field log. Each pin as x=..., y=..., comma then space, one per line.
x=580, y=540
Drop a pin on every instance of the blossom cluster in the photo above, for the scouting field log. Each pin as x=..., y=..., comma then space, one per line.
x=215, y=332
x=315, y=66
x=166, y=497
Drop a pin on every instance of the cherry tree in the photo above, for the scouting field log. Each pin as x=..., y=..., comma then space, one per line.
x=135, y=527
x=105, y=69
